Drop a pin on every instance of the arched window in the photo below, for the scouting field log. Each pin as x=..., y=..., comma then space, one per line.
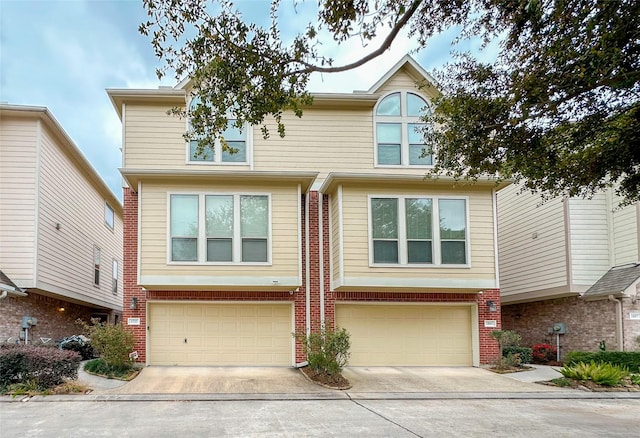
x=399, y=138
x=235, y=138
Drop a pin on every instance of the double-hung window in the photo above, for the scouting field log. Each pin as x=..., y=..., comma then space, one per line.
x=399, y=137
x=414, y=230
x=219, y=228
x=109, y=216
x=232, y=147
x=114, y=278
x=96, y=266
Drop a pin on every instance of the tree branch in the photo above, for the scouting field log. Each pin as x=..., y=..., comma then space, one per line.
x=310, y=68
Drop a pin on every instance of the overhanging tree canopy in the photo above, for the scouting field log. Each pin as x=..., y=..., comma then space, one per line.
x=559, y=109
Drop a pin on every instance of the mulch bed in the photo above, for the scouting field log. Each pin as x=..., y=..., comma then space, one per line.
x=336, y=381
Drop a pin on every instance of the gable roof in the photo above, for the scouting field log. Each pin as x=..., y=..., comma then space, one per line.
x=408, y=63
x=615, y=281
x=6, y=285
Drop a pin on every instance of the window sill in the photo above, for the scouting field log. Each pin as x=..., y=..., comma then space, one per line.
x=216, y=163
x=173, y=263
x=403, y=166
x=418, y=266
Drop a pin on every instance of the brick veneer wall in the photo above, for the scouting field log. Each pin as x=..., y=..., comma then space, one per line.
x=588, y=323
x=52, y=322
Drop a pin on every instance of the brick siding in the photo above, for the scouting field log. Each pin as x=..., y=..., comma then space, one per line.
x=587, y=322
x=52, y=323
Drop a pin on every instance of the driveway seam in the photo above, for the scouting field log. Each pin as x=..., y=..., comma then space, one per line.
x=383, y=417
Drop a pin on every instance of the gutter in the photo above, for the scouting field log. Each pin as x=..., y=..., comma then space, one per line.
x=619, y=336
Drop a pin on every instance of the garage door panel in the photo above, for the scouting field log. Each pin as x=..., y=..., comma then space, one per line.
x=415, y=334
x=220, y=334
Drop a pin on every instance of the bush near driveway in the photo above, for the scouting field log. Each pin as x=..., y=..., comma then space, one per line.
x=600, y=373
x=41, y=367
x=112, y=342
x=625, y=359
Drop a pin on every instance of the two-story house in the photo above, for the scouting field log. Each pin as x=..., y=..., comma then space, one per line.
x=226, y=255
x=60, y=232
x=571, y=261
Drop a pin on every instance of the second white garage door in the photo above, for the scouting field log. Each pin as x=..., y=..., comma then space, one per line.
x=407, y=335
x=220, y=334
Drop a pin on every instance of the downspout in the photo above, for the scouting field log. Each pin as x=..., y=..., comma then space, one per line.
x=619, y=338
x=4, y=295
x=307, y=270
x=321, y=256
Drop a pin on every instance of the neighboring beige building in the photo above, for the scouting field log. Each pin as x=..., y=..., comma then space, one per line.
x=60, y=231
x=551, y=256
x=227, y=255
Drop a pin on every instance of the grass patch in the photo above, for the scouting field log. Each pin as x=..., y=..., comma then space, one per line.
x=563, y=382
x=100, y=368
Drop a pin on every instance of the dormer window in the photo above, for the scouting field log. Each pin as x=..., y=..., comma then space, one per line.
x=399, y=139
x=237, y=141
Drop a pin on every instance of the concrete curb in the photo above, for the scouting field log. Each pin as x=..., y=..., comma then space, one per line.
x=338, y=395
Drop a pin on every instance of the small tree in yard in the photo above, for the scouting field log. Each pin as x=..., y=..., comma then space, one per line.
x=112, y=342
x=327, y=351
x=506, y=339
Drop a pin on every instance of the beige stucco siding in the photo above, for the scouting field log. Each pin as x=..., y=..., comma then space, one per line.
x=589, y=238
x=65, y=256
x=156, y=270
x=18, y=198
x=625, y=232
x=531, y=241
x=355, y=205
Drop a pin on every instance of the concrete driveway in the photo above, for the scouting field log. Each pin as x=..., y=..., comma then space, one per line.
x=265, y=380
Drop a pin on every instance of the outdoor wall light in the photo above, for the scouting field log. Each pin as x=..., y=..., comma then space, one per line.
x=492, y=306
x=134, y=303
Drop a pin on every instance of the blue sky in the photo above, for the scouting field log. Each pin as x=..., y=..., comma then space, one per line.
x=63, y=54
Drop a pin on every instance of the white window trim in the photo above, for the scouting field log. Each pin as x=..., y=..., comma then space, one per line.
x=403, y=120
x=217, y=149
x=402, y=233
x=113, y=214
x=202, y=237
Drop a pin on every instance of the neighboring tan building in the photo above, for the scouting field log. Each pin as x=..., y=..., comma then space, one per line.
x=60, y=232
x=226, y=255
x=571, y=261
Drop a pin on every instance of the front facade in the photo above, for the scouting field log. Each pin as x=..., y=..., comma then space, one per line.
x=552, y=254
x=60, y=232
x=226, y=255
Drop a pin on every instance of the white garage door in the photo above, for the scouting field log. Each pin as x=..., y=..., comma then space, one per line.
x=407, y=335
x=219, y=334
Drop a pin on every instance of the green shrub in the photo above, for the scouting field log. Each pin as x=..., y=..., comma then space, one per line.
x=84, y=349
x=625, y=359
x=112, y=342
x=598, y=372
x=635, y=379
x=41, y=367
x=327, y=351
x=506, y=338
x=524, y=353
